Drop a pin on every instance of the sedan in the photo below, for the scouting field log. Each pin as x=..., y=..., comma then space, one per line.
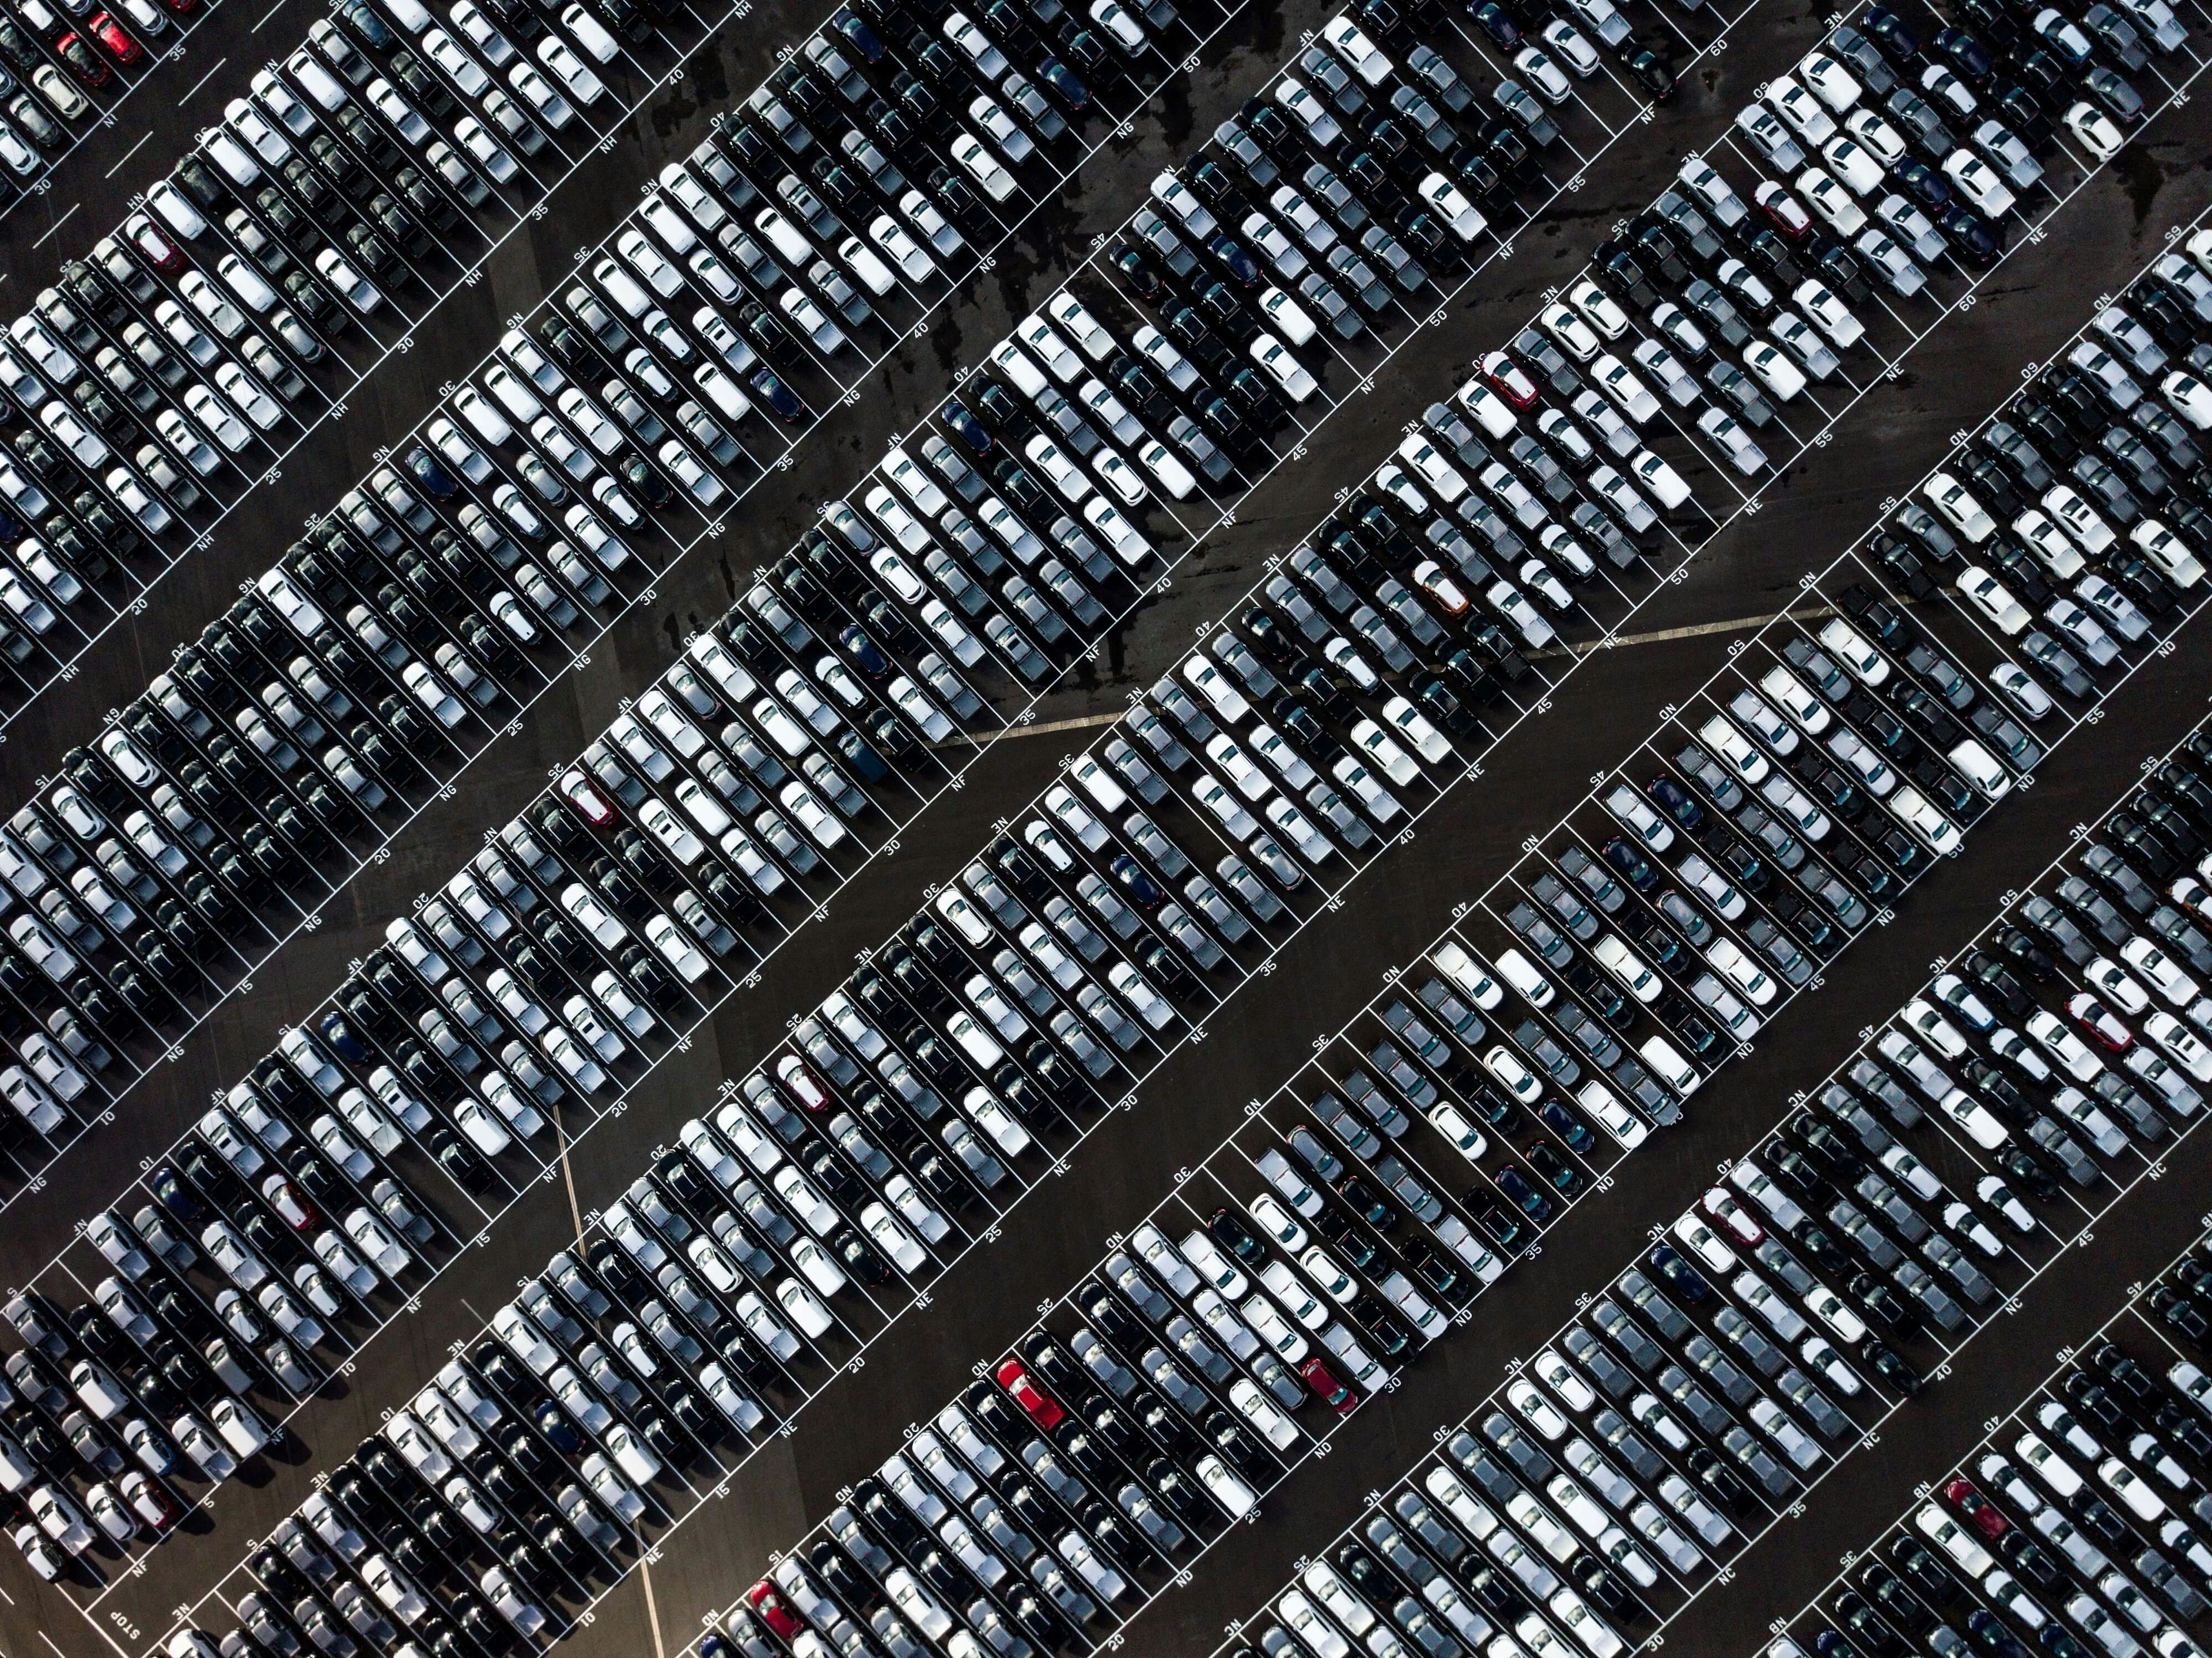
x=1978, y=182
x=1993, y=599
x=2103, y=1026
x=570, y=71
x=110, y=34
x=2093, y=131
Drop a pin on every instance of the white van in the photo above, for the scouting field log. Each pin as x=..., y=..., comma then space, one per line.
x=1626, y=965
x=1520, y=972
x=1468, y=973
x=1605, y=1109
x=1668, y=1066
x=176, y=210
x=1979, y=767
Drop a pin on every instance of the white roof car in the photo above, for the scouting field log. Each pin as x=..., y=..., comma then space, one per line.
x=1445, y=199
x=2094, y=130
x=1978, y=182
x=1865, y=663
x=982, y=167
x=1832, y=201
x=1774, y=370
x=2167, y=551
x=1958, y=506
x=1914, y=811
x=1994, y=600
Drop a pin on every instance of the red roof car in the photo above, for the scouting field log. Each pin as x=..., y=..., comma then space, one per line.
x=110, y=34
x=1339, y=1396
x=809, y=1090
x=1723, y=1207
x=1043, y=1409
x=762, y=1598
x=1981, y=1514
x=1787, y=212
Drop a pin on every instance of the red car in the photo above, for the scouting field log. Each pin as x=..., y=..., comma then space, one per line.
x=159, y=251
x=1512, y=383
x=1723, y=1207
x=109, y=34
x=284, y=1198
x=83, y=62
x=762, y=1598
x=586, y=798
x=1043, y=1409
x=1339, y=1396
x=1980, y=1513
x=2103, y=1028
x=809, y=1090
x=1787, y=212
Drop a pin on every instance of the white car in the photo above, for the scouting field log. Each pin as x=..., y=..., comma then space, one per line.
x=1801, y=109
x=1619, y=382
x=1830, y=315
x=1287, y=317
x=1545, y=76
x=2189, y=396
x=1602, y=311
x=1272, y=355
x=1914, y=811
x=2094, y=130
x=1837, y=87
x=982, y=167
x=1832, y=201
x=2167, y=551
x=1774, y=370
x=1445, y=199
x=2053, y=547
x=1977, y=181
x=1511, y=1075
x=1864, y=663
x=1994, y=600
x=570, y=71
x=215, y=415
x=59, y=1518
x=356, y=289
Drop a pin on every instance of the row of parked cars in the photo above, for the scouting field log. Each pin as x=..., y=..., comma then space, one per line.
x=53, y=56
x=163, y=374
x=1208, y=1328
x=386, y=642
x=1337, y=1247
x=1855, y=719
x=1723, y=312
x=1009, y=1080
x=427, y=568
x=585, y=796
x=2076, y=1529
x=859, y=576
x=1047, y=1054
x=1707, y=1387
x=2074, y=527
x=461, y=1125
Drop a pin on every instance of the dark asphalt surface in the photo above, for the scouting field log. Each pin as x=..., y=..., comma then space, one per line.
x=1964, y=370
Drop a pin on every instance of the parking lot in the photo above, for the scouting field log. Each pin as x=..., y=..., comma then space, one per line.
x=552, y=1194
